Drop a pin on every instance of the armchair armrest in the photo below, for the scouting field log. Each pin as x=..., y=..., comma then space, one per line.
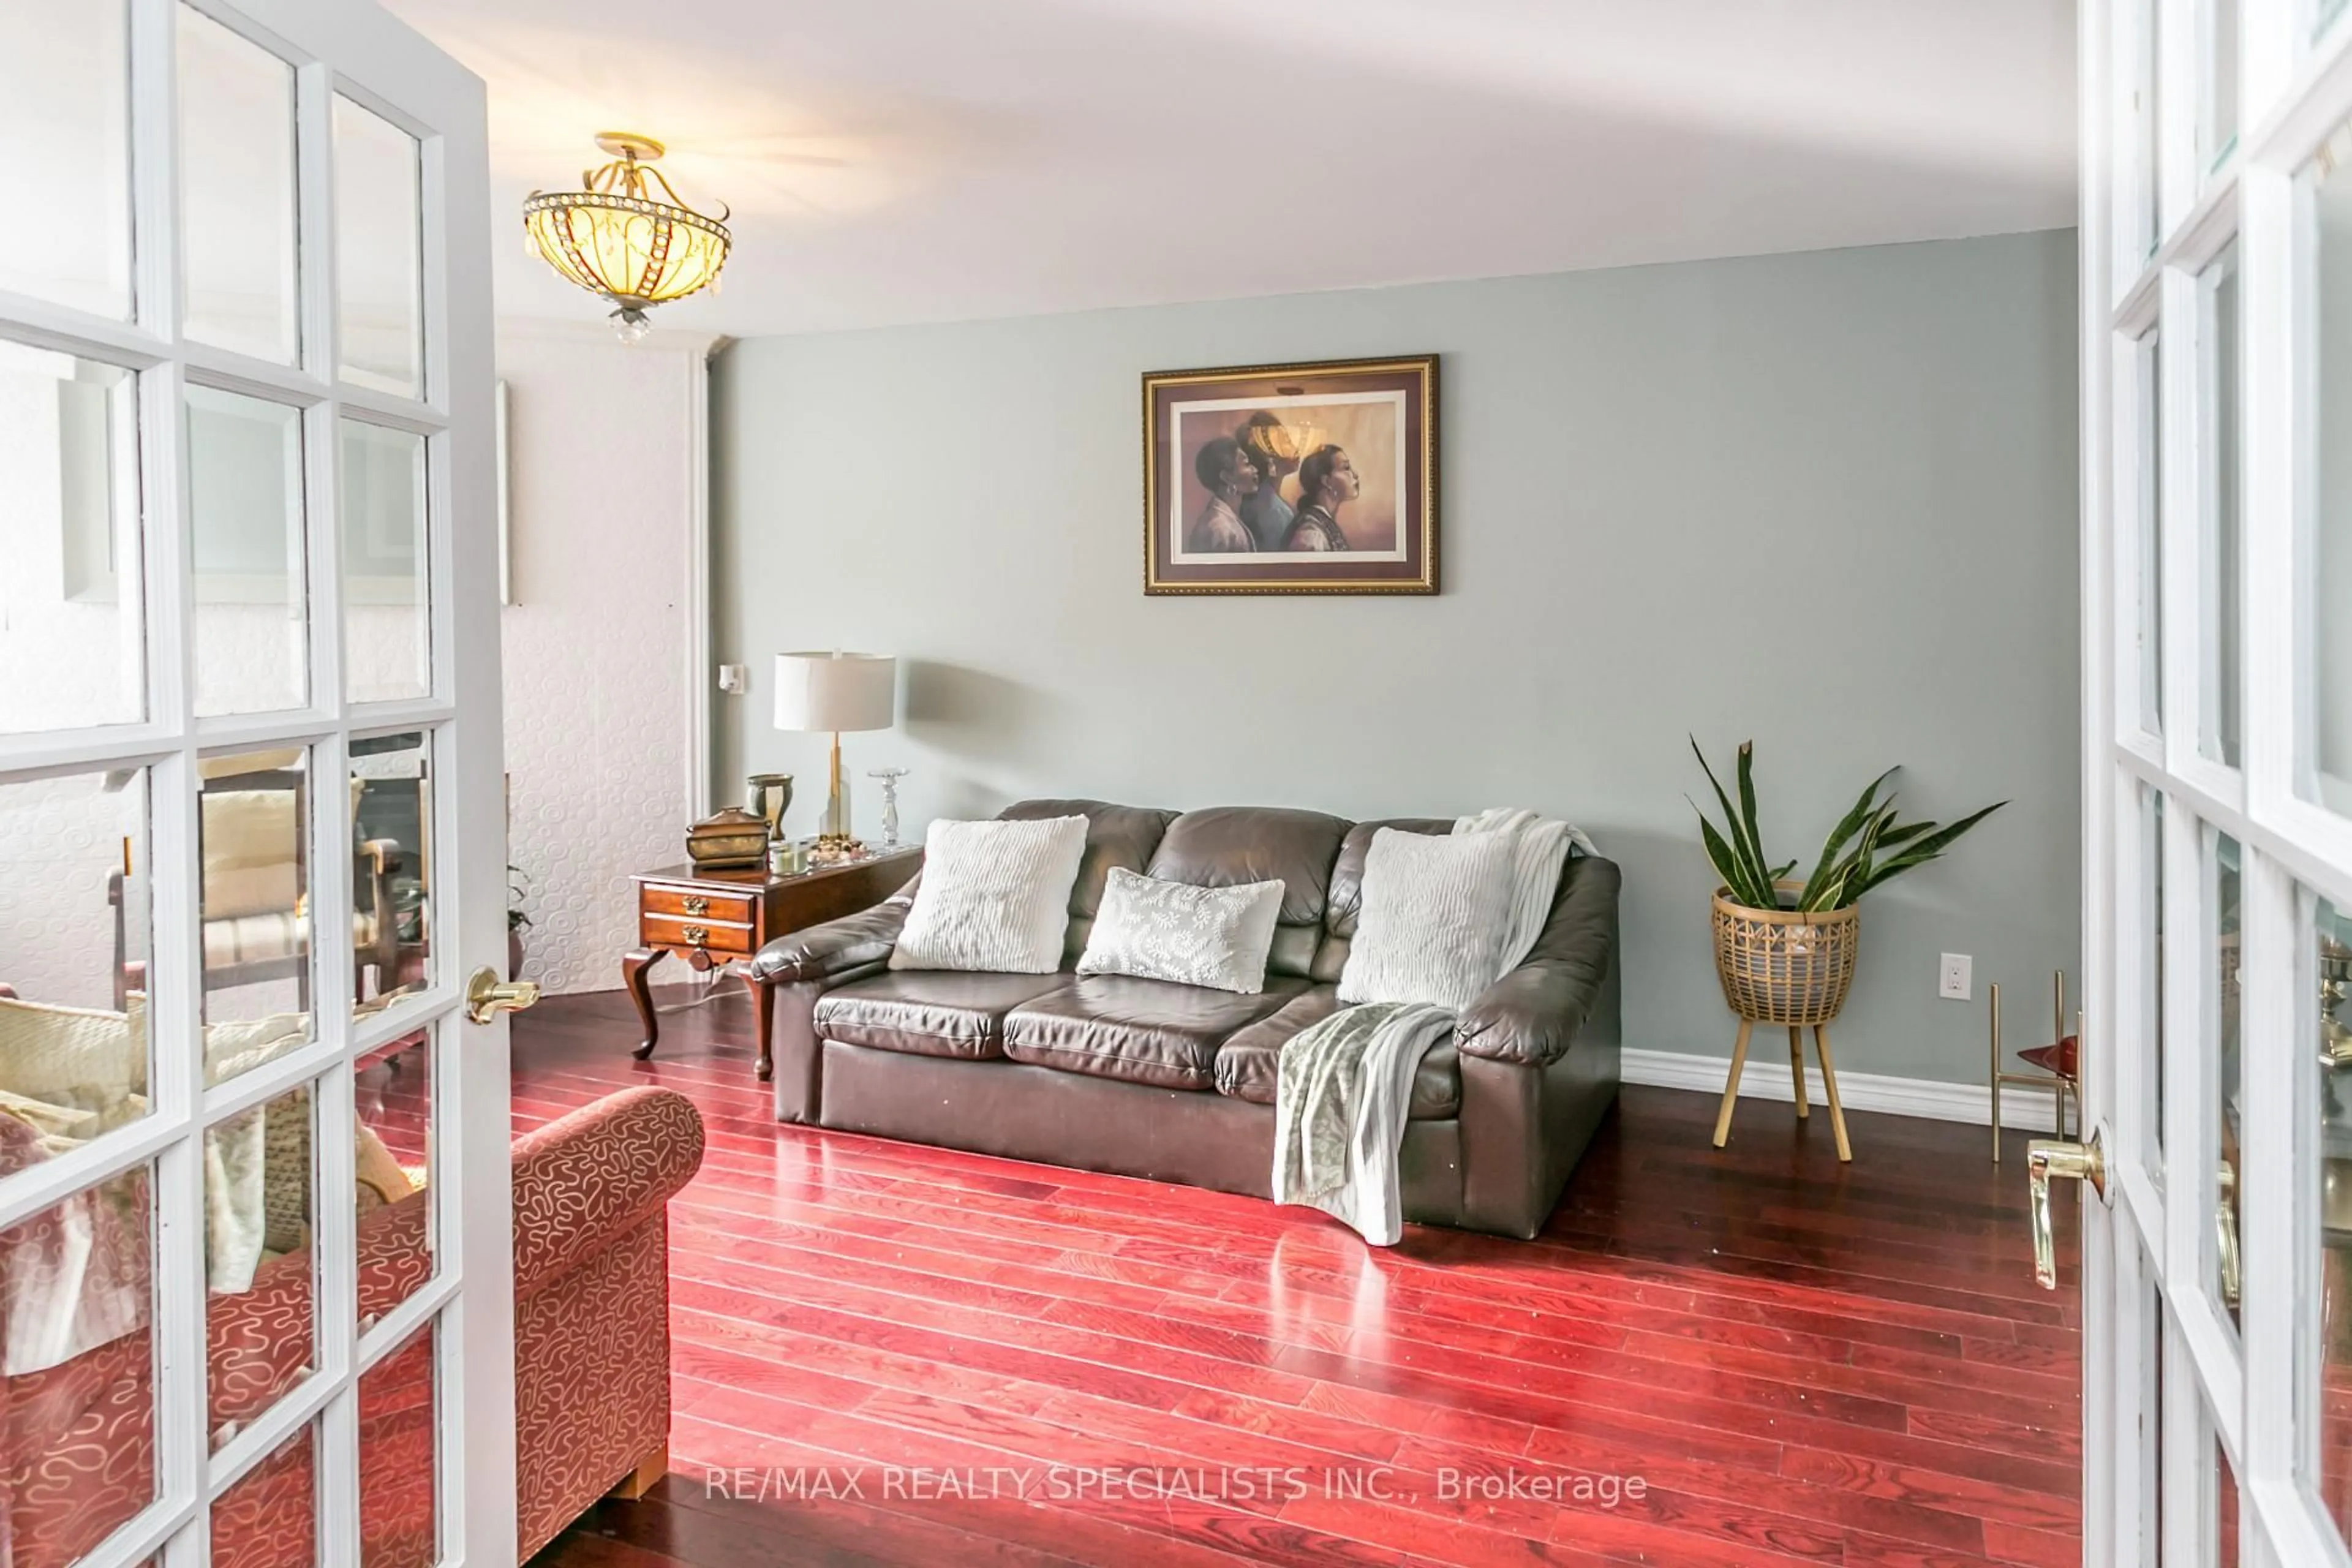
x=836, y=948
x=377, y=857
x=590, y=1176
x=1531, y=1016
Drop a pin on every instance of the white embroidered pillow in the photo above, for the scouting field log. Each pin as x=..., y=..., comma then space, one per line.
x=1216, y=937
x=1436, y=910
x=995, y=897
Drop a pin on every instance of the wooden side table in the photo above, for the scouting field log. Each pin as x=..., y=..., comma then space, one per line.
x=710, y=918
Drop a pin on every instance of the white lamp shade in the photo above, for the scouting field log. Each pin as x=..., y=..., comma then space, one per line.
x=835, y=691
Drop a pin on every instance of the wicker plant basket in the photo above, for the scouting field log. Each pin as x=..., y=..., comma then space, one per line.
x=1785, y=966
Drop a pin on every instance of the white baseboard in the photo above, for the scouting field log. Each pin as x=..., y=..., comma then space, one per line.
x=2027, y=1109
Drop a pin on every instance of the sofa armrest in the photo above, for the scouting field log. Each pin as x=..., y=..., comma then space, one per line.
x=836, y=950
x=1532, y=1016
x=593, y=1175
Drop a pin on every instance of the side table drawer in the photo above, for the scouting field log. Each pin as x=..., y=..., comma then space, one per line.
x=697, y=905
x=678, y=930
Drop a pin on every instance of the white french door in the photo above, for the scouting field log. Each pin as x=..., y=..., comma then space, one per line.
x=2217, y=598
x=256, y=1284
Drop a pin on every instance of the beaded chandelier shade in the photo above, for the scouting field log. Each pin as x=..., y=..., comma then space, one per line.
x=616, y=238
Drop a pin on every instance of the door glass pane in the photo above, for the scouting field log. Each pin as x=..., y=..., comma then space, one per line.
x=2217, y=129
x=80, y=1301
x=2148, y=579
x=269, y=1517
x=73, y=956
x=395, y=1097
x=2327, y=632
x=236, y=191
x=65, y=115
x=399, y=1512
x=2147, y=145
x=2152, y=973
x=392, y=923
x=245, y=490
x=70, y=589
x=2226, y=1083
x=259, y=1176
x=2328, y=1378
x=388, y=631
x=253, y=876
x=377, y=261
x=2225, y=1508
x=2218, y=577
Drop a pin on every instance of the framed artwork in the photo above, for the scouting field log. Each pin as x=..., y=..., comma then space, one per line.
x=1292, y=479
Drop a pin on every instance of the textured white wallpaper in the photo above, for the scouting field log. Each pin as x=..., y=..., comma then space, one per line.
x=605, y=450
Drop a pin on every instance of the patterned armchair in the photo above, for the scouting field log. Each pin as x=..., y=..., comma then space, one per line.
x=591, y=1365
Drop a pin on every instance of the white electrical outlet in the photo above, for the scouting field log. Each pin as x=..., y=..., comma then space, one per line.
x=735, y=678
x=1953, y=979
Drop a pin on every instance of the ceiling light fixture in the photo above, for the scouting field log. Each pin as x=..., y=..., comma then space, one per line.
x=612, y=238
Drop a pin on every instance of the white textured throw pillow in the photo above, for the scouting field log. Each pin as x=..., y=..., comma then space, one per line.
x=995, y=897
x=1216, y=937
x=1436, y=912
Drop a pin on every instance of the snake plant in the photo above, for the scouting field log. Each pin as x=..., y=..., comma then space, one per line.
x=1869, y=845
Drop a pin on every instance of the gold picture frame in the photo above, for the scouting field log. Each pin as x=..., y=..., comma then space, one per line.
x=1313, y=478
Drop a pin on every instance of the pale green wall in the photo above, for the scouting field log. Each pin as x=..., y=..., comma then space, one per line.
x=1827, y=500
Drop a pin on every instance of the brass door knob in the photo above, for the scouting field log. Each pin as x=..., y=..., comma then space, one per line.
x=487, y=995
x=2046, y=1158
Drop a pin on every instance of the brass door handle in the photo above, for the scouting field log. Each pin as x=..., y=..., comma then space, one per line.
x=2046, y=1158
x=487, y=995
x=2225, y=1227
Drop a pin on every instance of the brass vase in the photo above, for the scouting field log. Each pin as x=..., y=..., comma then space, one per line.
x=769, y=797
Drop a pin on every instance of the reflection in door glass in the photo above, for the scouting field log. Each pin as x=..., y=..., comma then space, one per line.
x=70, y=587
x=236, y=191
x=2218, y=575
x=2150, y=608
x=392, y=921
x=2152, y=973
x=2226, y=1083
x=268, y=1518
x=254, y=886
x=2225, y=1508
x=81, y=1301
x=387, y=630
x=65, y=117
x=260, y=1278
x=399, y=1516
x=245, y=535
x=2328, y=1385
x=2327, y=632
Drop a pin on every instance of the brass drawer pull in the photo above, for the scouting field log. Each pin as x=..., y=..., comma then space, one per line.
x=697, y=935
x=695, y=904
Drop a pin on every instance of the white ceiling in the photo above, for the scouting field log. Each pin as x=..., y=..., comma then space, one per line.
x=895, y=161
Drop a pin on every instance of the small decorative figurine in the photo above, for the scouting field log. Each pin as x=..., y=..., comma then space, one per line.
x=889, y=777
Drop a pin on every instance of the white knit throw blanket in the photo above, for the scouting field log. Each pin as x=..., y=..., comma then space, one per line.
x=1345, y=1083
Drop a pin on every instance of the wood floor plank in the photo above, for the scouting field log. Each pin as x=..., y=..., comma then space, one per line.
x=1801, y=1362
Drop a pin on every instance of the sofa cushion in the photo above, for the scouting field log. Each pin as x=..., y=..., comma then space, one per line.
x=1145, y=1031
x=1249, y=1063
x=1225, y=846
x=1123, y=835
x=1346, y=903
x=929, y=1012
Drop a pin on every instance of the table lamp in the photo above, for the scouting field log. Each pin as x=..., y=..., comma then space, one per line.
x=835, y=691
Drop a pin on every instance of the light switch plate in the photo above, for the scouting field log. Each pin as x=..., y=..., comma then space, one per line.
x=1954, y=980
x=735, y=678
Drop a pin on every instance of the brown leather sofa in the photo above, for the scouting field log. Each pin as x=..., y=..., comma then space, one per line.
x=1145, y=1078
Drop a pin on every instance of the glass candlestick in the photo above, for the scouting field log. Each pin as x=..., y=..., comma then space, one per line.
x=889, y=777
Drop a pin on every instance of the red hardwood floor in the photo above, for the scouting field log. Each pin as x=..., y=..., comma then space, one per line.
x=893, y=1354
